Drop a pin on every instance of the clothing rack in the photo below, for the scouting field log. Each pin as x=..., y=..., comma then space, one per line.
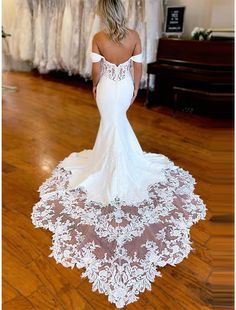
x=57, y=34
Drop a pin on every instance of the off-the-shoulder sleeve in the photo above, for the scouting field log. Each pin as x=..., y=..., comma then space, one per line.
x=138, y=57
x=95, y=57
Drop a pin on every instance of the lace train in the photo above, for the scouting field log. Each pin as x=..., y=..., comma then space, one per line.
x=120, y=245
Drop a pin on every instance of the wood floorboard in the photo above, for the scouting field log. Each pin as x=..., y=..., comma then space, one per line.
x=51, y=116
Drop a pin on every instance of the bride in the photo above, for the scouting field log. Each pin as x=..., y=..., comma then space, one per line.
x=116, y=210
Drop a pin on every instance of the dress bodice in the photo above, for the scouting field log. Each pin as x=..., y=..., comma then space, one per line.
x=113, y=71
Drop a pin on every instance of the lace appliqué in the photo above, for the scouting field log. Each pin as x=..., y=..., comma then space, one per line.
x=115, y=73
x=120, y=245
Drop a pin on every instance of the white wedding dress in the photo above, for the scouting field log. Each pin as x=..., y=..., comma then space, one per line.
x=115, y=210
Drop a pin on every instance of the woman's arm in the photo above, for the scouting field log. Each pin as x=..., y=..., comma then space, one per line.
x=137, y=68
x=96, y=67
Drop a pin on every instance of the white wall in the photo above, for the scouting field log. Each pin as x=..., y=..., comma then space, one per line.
x=206, y=13
x=222, y=13
x=8, y=13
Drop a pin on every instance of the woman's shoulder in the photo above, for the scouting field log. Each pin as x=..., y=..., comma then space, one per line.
x=133, y=33
x=98, y=35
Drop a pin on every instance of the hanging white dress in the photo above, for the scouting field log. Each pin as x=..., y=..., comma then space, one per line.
x=75, y=41
x=87, y=22
x=52, y=59
x=66, y=36
x=117, y=211
x=96, y=27
x=41, y=37
x=26, y=44
x=14, y=43
x=59, y=23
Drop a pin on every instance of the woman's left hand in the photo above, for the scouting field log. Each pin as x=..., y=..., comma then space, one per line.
x=94, y=92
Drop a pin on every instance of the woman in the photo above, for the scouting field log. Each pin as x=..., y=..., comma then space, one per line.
x=116, y=210
x=117, y=44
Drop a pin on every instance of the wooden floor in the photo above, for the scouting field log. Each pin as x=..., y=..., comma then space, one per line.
x=46, y=120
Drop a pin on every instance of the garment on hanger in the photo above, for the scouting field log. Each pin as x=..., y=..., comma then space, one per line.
x=53, y=59
x=67, y=36
x=57, y=34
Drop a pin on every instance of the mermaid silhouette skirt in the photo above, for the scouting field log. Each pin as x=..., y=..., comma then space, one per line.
x=117, y=211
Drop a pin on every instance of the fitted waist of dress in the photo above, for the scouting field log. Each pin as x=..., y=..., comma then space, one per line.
x=116, y=73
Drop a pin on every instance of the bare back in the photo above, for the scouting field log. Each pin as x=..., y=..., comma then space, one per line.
x=117, y=53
